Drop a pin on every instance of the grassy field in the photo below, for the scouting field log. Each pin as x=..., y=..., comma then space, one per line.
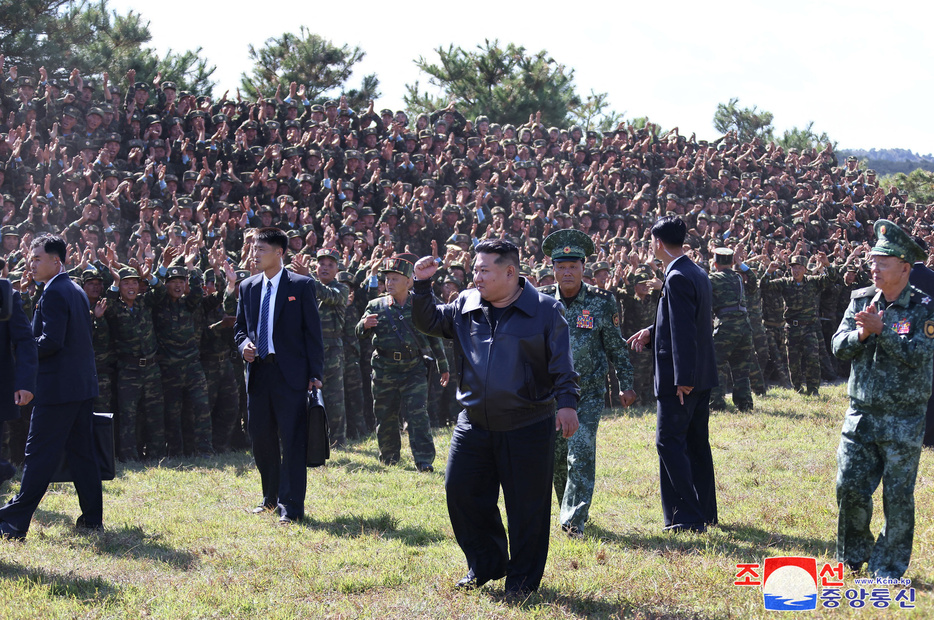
x=181, y=542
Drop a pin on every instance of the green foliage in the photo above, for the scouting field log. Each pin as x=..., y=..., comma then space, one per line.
x=594, y=113
x=88, y=36
x=805, y=138
x=307, y=59
x=748, y=123
x=508, y=84
x=918, y=183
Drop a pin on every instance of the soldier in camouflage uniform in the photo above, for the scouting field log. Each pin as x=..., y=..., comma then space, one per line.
x=141, y=409
x=801, y=293
x=92, y=281
x=178, y=317
x=240, y=439
x=773, y=310
x=732, y=337
x=887, y=334
x=640, y=300
x=353, y=379
x=216, y=336
x=400, y=380
x=332, y=303
x=760, y=341
x=593, y=317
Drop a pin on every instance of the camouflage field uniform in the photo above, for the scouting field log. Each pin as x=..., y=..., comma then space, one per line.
x=802, y=328
x=593, y=317
x=141, y=410
x=637, y=314
x=106, y=362
x=353, y=378
x=400, y=382
x=223, y=397
x=185, y=392
x=889, y=386
x=732, y=339
x=760, y=341
x=773, y=310
x=332, y=304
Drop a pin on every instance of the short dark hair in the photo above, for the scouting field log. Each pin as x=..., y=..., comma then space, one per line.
x=670, y=230
x=273, y=236
x=505, y=251
x=51, y=244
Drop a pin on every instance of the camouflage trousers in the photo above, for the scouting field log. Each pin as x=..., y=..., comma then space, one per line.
x=187, y=411
x=332, y=391
x=576, y=459
x=106, y=378
x=223, y=398
x=643, y=375
x=804, y=345
x=240, y=439
x=825, y=332
x=353, y=398
x=777, y=368
x=877, y=447
x=401, y=387
x=760, y=344
x=141, y=412
x=732, y=342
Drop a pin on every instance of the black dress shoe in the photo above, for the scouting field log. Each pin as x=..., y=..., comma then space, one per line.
x=8, y=532
x=286, y=520
x=83, y=526
x=466, y=584
x=263, y=508
x=424, y=467
x=686, y=527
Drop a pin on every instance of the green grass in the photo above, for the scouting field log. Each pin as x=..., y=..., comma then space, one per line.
x=181, y=542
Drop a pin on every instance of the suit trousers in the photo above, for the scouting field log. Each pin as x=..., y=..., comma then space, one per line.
x=521, y=461
x=278, y=426
x=56, y=429
x=689, y=496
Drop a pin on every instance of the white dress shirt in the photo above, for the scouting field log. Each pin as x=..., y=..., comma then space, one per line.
x=272, y=306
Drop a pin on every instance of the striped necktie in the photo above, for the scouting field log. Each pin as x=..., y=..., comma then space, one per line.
x=262, y=347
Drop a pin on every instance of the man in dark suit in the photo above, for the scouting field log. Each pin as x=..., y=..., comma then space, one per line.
x=685, y=372
x=923, y=278
x=18, y=364
x=65, y=390
x=278, y=333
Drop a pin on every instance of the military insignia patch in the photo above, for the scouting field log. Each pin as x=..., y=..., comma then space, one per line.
x=926, y=300
x=903, y=327
x=585, y=322
x=929, y=329
x=616, y=320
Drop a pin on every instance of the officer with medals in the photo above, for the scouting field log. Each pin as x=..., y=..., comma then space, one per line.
x=593, y=317
x=887, y=335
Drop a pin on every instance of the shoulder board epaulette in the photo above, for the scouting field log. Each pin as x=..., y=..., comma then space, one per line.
x=548, y=289
x=869, y=291
x=919, y=297
x=599, y=292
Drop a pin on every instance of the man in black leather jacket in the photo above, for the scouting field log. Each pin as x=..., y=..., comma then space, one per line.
x=514, y=362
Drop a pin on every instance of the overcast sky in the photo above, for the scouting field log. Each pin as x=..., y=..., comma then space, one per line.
x=859, y=69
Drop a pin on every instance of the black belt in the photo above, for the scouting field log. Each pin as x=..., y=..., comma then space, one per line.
x=269, y=359
x=396, y=356
x=142, y=362
x=801, y=323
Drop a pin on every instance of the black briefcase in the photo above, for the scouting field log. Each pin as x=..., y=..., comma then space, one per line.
x=103, y=437
x=319, y=433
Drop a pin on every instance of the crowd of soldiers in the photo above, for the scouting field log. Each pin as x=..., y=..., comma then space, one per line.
x=158, y=192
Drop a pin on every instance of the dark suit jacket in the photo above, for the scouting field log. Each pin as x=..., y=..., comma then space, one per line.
x=296, y=333
x=18, y=360
x=922, y=278
x=682, y=336
x=62, y=327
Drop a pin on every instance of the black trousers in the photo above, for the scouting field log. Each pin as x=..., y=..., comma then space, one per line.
x=55, y=429
x=689, y=495
x=278, y=418
x=520, y=461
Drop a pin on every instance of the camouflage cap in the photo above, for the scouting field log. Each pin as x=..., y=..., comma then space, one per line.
x=893, y=241
x=600, y=266
x=176, y=271
x=568, y=244
x=127, y=273
x=242, y=274
x=799, y=259
x=723, y=256
x=332, y=253
x=91, y=274
x=398, y=265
